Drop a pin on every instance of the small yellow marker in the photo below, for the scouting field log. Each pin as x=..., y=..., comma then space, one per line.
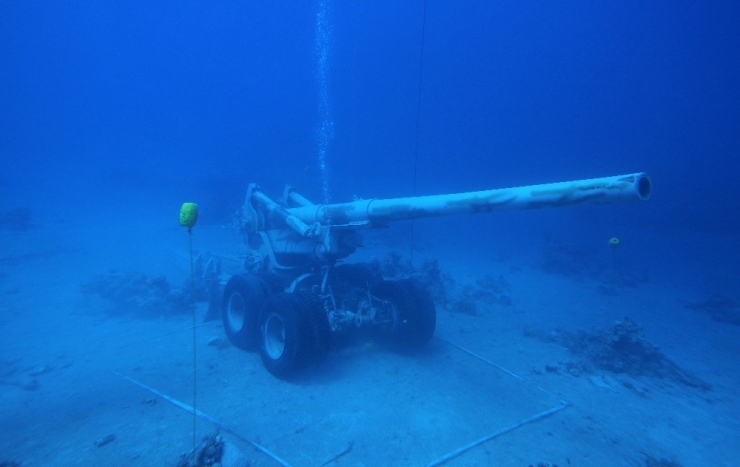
x=614, y=243
x=188, y=215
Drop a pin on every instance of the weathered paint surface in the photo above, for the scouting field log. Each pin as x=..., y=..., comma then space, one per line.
x=632, y=187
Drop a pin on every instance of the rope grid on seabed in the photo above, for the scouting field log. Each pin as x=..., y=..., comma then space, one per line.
x=206, y=417
x=440, y=461
x=535, y=418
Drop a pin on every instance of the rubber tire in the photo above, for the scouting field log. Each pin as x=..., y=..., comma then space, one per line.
x=243, y=298
x=318, y=323
x=417, y=318
x=295, y=333
x=272, y=283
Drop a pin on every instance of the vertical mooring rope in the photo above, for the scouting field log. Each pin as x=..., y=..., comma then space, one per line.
x=418, y=119
x=195, y=322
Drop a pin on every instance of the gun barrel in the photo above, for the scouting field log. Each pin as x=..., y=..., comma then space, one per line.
x=632, y=187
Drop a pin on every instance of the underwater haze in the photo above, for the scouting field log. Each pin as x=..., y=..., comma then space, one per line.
x=112, y=114
x=200, y=97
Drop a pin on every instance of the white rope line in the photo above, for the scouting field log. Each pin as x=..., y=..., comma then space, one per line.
x=459, y=451
x=442, y=460
x=205, y=417
x=504, y=370
x=463, y=449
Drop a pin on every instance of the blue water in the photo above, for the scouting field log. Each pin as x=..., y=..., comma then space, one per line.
x=509, y=95
x=136, y=107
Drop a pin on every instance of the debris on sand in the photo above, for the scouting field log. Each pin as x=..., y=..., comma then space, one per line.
x=137, y=294
x=105, y=440
x=719, y=307
x=205, y=454
x=213, y=451
x=219, y=343
x=621, y=349
x=662, y=462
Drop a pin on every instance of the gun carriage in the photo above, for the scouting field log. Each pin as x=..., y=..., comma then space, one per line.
x=295, y=291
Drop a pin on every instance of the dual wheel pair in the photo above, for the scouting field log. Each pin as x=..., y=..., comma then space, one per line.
x=292, y=330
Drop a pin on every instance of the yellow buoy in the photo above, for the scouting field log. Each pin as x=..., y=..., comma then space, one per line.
x=188, y=215
x=614, y=243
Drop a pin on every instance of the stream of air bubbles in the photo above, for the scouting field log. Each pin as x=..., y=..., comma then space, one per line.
x=326, y=124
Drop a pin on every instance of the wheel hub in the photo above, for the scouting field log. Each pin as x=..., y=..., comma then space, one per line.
x=274, y=336
x=236, y=313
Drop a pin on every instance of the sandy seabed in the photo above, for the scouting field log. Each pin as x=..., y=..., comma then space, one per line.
x=73, y=374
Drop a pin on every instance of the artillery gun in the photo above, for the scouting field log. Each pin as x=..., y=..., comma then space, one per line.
x=294, y=292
